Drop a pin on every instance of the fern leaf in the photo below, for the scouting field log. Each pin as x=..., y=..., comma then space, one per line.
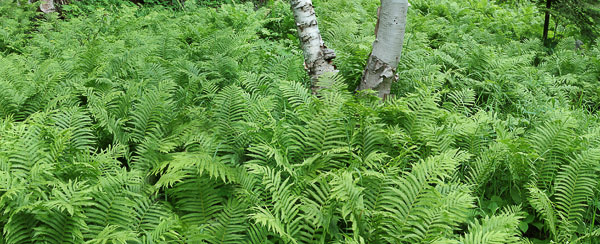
x=575, y=184
x=112, y=234
x=497, y=229
x=542, y=204
x=230, y=224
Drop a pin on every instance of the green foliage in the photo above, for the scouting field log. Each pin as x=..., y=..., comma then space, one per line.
x=585, y=14
x=148, y=125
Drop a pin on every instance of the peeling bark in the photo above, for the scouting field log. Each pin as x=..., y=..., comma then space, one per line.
x=317, y=57
x=380, y=71
x=47, y=6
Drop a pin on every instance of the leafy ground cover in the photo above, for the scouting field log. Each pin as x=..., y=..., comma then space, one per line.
x=162, y=125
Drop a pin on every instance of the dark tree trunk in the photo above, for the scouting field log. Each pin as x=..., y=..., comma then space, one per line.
x=546, y=22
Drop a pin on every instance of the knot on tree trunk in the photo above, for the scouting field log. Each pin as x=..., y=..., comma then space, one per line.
x=328, y=54
x=377, y=74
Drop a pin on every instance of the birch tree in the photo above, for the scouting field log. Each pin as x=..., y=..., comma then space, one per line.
x=317, y=57
x=47, y=6
x=380, y=71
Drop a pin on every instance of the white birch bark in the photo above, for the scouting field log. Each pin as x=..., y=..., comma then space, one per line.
x=380, y=71
x=317, y=57
x=47, y=6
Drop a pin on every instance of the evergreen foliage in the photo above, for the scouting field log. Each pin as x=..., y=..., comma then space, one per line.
x=584, y=14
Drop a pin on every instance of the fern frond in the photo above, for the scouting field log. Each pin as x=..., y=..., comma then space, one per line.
x=198, y=199
x=369, y=140
x=8, y=95
x=344, y=189
x=552, y=142
x=257, y=235
x=317, y=211
x=180, y=165
x=78, y=124
x=264, y=217
x=408, y=199
x=17, y=228
x=590, y=235
x=264, y=154
x=502, y=228
x=26, y=150
x=298, y=96
x=281, y=215
x=151, y=114
x=257, y=83
x=325, y=134
x=545, y=208
x=69, y=197
x=230, y=110
x=230, y=224
x=165, y=231
x=575, y=184
x=112, y=234
x=454, y=203
x=58, y=227
x=149, y=214
x=461, y=101
x=112, y=206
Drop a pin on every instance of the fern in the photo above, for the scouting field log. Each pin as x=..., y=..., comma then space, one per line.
x=551, y=143
x=496, y=229
x=575, y=184
x=18, y=228
x=230, y=109
x=113, y=235
x=142, y=124
x=406, y=199
x=230, y=224
x=541, y=202
x=182, y=164
x=78, y=124
x=198, y=200
x=112, y=208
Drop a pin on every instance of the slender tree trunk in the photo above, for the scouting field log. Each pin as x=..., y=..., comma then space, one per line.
x=317, y=57
x=380, y=71
x=546, y=22
x=555, y=29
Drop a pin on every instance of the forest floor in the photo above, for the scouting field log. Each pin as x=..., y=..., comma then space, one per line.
x=157, y=124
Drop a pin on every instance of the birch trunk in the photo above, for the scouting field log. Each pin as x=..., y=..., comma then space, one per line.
x=380, y=71
x=47, y=6
x=317, y=57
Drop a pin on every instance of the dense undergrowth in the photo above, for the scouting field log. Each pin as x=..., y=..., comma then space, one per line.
x=130, y=125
